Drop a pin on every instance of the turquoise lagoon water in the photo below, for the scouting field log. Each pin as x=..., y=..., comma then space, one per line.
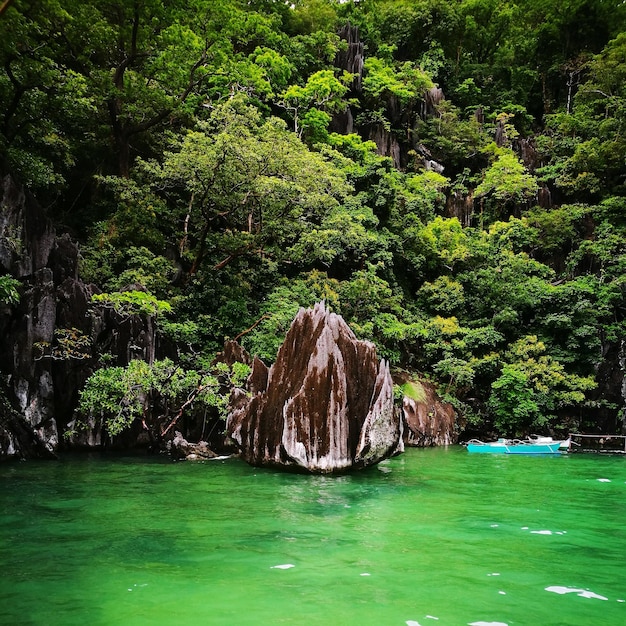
x=434, y=537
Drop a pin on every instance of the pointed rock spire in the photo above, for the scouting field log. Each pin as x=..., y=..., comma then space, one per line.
x=325, y=405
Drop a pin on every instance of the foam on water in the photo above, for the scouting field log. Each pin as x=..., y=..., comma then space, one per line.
x=284, y=566
x=583, y=593
x=488, y=624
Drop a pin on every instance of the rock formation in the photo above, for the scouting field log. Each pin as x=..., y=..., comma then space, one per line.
x=46, y=265
x=352, y=57
x=428, y=420
x=42, y=381
x=325, y=405
x=394, y=138
x=181, y=449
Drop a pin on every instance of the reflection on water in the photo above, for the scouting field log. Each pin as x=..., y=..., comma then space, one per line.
x=432, y=536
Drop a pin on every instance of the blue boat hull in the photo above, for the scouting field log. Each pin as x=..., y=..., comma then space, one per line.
x=503, y=447
x=535, y=448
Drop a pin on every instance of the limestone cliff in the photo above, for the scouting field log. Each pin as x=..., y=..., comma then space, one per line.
x=41, y=376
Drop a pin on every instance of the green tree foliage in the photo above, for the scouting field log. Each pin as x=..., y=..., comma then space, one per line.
x=221, y=169
x=154, y=394
x=406, y=82
x=507, y=183
x=589, y=143
x=128, y=303
x=532, y=387
x=9, y=293
x=245, y=185
x=43, y=100
x=323, y=93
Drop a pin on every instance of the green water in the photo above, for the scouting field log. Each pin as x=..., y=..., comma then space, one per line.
x=434, y=537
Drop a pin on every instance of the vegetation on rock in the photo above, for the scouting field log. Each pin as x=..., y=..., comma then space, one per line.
x=448, y=176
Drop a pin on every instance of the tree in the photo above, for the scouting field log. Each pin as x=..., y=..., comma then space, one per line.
x=322, y=92
x=245, y=186
x=445, y=242
x=43, y=101
x=585, y=156
x=155, y=395
x=155, y=66
x=311, y=16
x=532, y=388
x=507, y=185
x=405, y=82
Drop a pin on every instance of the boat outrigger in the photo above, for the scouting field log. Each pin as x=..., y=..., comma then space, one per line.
x=536, y=445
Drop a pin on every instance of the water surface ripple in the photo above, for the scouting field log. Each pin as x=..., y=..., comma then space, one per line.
x=432, y=537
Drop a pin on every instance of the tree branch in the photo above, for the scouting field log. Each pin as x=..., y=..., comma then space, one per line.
x=245, y=332
x=233, y=255
x=4, y=6
x=190, y=399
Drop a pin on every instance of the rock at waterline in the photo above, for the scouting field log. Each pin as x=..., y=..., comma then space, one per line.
x=325, y=405
x=181, y=449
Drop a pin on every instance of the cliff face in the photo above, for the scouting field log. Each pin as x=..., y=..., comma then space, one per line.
x=50, y=341
x=325, y=405
x=395, y=138
x=51, y=296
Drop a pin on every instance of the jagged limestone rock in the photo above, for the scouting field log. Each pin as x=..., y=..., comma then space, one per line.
x=325, y=405
x=41, y=385
x=428, y=420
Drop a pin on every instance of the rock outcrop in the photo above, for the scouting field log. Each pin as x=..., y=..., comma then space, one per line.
x=46, y=265
x=181, y=449
x=428, y=420
x=394, y=138
x=325, y=405
x=42, y=375
x=352, y=56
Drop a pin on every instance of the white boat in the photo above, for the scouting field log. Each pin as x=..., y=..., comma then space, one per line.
x=565, y=443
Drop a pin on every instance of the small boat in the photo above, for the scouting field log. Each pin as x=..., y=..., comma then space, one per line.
x=515, y=446
x=565, y=443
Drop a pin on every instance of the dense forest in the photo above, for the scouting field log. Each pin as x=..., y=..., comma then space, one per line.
x=448, y=175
